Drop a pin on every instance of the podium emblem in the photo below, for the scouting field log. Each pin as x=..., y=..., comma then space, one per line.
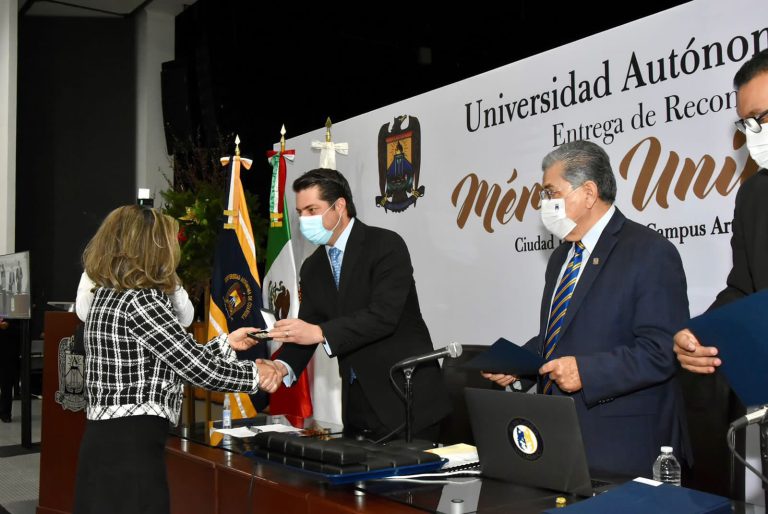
x=71, y=392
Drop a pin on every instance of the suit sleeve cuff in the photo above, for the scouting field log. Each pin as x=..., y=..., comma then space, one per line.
x=327, y=347
x=290, y=378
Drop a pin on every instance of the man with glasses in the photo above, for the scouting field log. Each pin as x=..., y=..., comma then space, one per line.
x=614, y=294
x=748, y=275
x=750, y=218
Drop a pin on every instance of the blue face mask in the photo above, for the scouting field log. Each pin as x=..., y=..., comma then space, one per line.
x=313, y=229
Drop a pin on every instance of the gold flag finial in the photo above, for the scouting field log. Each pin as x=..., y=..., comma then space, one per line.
x=282, y=139
x=237, y=145
x=328, y=129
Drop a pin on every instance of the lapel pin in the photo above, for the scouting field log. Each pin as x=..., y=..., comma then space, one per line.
x=595, y=261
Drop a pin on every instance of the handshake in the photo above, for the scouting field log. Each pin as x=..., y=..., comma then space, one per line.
x=271, y=373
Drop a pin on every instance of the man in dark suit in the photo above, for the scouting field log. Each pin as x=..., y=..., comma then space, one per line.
x=749, y=241
x=359, y=300
x=614, y=295
x=710, y=401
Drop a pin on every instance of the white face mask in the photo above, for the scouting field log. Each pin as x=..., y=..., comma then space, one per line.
x=553, y=217
x=757, y=143
x=313, y=229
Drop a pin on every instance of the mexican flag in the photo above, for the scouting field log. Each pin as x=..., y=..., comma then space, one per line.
x=280, y=288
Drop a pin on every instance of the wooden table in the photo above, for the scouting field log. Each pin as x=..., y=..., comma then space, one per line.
x=205, y=480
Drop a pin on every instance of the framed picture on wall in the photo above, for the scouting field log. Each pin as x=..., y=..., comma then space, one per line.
x=14, y=286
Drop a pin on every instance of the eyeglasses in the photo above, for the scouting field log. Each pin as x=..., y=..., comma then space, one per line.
x=752, y=123
x=548, y=194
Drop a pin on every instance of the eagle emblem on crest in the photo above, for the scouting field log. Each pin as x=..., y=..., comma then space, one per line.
x=399, y=149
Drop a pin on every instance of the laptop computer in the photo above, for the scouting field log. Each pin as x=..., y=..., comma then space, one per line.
x=530, y=439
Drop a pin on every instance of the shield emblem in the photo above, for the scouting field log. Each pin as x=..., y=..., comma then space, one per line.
x=399, y=148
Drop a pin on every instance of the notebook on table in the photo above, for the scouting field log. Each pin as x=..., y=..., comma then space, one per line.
x=460, y=457
x=531, y=439
x=647, y=496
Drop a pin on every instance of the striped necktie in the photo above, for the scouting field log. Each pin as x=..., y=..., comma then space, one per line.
x=560, y=305
x=335, y=255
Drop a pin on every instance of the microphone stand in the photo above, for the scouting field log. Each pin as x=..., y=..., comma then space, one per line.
x=453, y=350
x=760, y=417
x=409, y=442
x=408, y=373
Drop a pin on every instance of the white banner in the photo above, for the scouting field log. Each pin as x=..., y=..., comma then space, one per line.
x=657, y=94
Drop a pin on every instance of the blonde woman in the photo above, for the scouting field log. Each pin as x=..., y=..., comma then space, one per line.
x=137, y=355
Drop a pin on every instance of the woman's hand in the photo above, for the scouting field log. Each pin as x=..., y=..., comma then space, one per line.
x=239, y=339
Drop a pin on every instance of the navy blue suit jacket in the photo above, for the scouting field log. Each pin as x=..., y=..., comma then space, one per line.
x=629, y=302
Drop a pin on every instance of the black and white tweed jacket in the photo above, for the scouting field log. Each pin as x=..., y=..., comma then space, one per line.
x=137, y=355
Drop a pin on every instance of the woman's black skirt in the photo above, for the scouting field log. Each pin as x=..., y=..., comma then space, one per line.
x=121, y=467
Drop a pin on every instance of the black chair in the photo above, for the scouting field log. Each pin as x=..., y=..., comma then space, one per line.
x=456, y=428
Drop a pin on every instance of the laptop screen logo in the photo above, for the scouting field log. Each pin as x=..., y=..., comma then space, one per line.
x=525, y=439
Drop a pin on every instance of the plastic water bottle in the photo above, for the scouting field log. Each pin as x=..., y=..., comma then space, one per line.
x=226, y=413
x=666, y=468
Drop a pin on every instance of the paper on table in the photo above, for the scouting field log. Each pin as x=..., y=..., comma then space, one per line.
x=250, y=431
x=276, y=427
x=457, y=454
x=239, y=432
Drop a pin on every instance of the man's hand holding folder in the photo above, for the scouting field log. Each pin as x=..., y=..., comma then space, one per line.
x=504, y=362
x=737, y=332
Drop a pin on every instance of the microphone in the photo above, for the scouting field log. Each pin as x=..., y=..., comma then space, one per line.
x=453, y=350
x=757, y=416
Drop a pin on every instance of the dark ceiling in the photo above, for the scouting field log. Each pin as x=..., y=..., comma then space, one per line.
x=249, y=67
x=257, y=66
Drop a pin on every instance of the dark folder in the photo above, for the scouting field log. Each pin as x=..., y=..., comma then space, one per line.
x=638, y=498
x=508, y=358
x=739, y=330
